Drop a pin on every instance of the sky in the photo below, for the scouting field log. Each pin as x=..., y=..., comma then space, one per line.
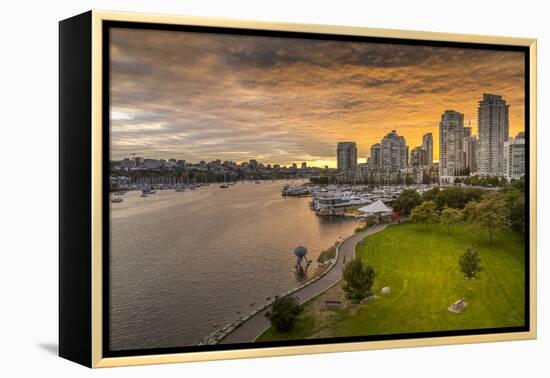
x=201, y=96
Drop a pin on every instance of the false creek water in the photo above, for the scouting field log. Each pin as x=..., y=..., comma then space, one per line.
x=183, y=264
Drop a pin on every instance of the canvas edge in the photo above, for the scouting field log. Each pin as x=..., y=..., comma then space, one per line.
x=98, y=361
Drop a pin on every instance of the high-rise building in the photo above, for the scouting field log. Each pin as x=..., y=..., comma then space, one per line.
x=128, y=163
x=514, y=157
x=346, y=156
x=493, y=125
x=419, y=157
x=470, y=147
x=139, y=161
x=428, y=146
x=151, y=163
x=376, y=155
x=394, y=152
x=451, y=139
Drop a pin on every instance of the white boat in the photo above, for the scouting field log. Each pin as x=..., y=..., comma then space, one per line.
x=339, y=202
x=295, y=191
x=117, y=199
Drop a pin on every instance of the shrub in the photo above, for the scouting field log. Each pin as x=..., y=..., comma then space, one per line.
x=327, y=254
x=284, y=312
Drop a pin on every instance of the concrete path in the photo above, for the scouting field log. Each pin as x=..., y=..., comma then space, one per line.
x=251, y=329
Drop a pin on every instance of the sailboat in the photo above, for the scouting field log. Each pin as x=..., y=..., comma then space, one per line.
x=224, y=185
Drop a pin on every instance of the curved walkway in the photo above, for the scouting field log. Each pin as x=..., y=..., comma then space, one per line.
x=251, y=329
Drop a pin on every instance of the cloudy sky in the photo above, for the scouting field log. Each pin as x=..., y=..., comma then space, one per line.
x=198, y=96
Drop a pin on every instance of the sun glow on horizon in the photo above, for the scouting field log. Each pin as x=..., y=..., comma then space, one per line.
x=197, y=96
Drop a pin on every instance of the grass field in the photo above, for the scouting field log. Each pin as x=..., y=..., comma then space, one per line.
x=421, y=268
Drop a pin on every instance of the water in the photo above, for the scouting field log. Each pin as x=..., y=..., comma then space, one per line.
x=184, y=264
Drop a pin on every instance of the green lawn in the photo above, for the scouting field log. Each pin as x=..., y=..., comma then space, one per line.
x=421, y=268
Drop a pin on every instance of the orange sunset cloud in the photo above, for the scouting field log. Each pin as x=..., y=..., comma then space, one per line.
x=201, y=96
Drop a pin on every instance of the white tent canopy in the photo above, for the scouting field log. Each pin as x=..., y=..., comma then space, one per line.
x=375, y=208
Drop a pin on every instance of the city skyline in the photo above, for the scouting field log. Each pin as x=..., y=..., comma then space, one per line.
x=199, y=96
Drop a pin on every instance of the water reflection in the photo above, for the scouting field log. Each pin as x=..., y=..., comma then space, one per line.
x=183, y=264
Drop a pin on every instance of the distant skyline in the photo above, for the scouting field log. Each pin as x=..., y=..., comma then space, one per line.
x=198, y=96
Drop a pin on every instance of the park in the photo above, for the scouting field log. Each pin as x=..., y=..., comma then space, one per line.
x=419, y=261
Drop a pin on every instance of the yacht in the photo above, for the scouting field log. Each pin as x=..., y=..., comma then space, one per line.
x=339, y=202
x=295, y=191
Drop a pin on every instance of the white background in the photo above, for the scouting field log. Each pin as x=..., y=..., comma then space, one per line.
x=29, y=190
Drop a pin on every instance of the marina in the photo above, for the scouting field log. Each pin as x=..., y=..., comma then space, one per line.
x=340, y=200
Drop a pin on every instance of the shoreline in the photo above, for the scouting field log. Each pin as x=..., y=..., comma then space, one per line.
x=219, y=335
x=253, y=325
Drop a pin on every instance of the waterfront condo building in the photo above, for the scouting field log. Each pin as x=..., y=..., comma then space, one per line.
x=470, y=147
x=493, y=129
x=514, y=157
x=451, y=139
x=419, y=157
x=428, y=146
x=346, y=154
x=394, y=152
x=151, y=163
x=375, y=160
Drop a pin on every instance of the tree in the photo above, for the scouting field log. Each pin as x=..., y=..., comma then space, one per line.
x=450, y=217
x=517, y=215
x=450, y=197
x=284, y=312
x=469, y=211
x=407, y=200
x=519, y=184
x=490, y=212
x=359, y=279
x=470, y=263
x=514, y=200
x=425, y=213
x=471, y=194
x=431, y=195
x=457, y=198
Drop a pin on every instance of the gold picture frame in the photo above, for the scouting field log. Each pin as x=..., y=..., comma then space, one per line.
x=89, y=329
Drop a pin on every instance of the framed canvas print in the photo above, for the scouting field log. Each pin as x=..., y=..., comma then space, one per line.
x=234, y=189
